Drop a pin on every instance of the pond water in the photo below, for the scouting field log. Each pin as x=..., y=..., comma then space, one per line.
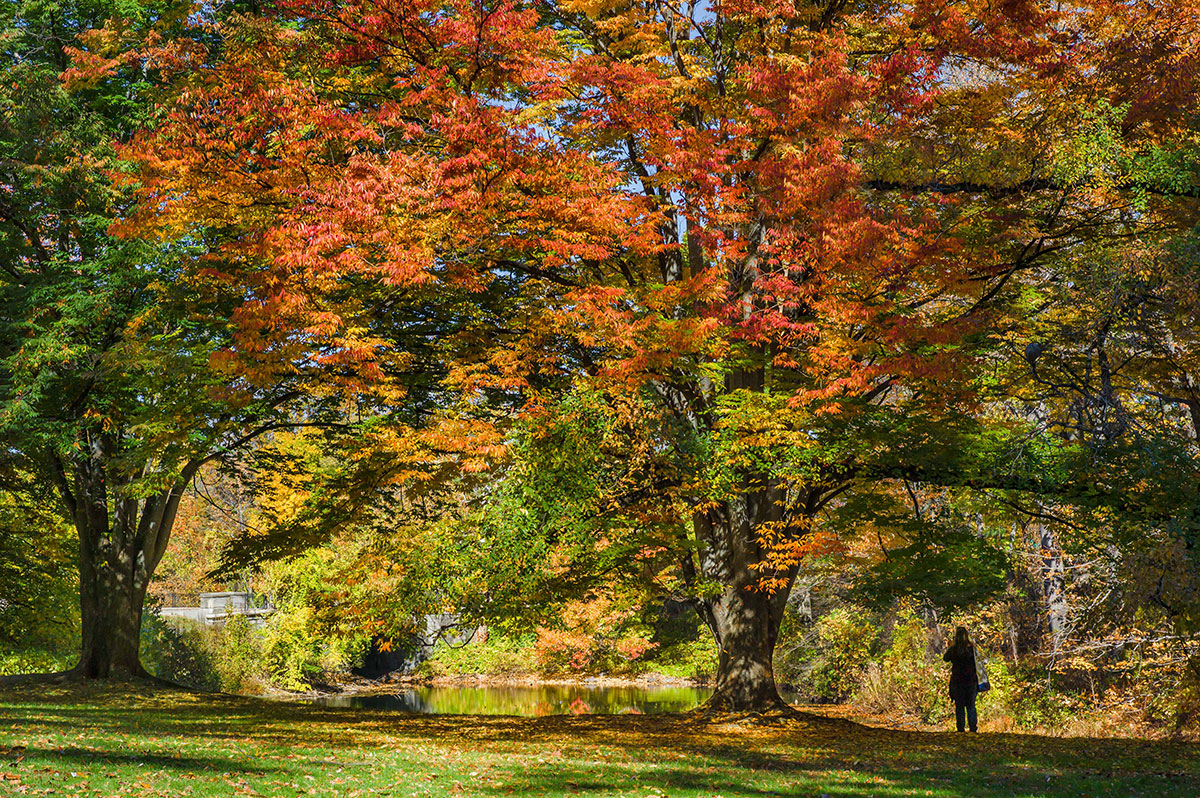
x=531, y=700
x=528, y=700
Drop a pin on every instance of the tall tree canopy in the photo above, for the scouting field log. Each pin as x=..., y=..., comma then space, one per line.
x=757, y=255
x=112, y=388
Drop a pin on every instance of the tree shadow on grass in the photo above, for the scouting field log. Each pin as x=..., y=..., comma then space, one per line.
x=90, y=757
x=852, y=761
x=549, y=781
x=842, y=782
x=846, y=759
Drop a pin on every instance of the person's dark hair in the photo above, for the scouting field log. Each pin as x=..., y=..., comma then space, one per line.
x=961, y=641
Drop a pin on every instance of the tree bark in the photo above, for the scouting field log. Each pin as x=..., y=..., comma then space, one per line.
x=746, y=623
x=111, y=599
x=1053, y=585
x=744, y=618
x=121, y=541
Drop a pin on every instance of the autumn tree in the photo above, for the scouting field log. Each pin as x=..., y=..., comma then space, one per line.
x=1112, y=352
x=751, y=252
x=113, y=392
x=1100, y=338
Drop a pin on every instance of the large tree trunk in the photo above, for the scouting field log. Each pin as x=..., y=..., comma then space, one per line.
x=744, y=617
x=121, y=540
x=111, y=597
x=745, y=622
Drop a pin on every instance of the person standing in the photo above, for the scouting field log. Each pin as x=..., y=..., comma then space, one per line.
x=964, y=684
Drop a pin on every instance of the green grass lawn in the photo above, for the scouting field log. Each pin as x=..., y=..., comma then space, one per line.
x=145, y=741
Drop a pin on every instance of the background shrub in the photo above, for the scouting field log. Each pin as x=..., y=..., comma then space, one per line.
x=846, y=637
x=286, y=654
x=492, y=653
x=910, y=677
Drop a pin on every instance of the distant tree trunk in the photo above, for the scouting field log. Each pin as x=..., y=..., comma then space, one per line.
x=743, y=618
x=1053, y=585
x=121, y=541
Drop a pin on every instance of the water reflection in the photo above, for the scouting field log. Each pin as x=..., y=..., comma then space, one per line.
x=534, y=700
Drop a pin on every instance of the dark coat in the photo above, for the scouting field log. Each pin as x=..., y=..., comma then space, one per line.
x=964, y=682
